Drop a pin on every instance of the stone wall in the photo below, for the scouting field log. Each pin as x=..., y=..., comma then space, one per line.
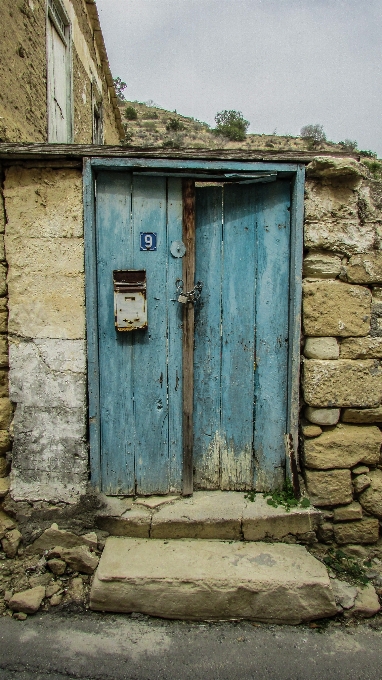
x=45, y=256
x=5, y=404
x=342, y=371
x=23, y=99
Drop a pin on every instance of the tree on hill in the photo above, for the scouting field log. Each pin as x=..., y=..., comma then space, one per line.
x=120, y=86
x=231, y=124
x=313, y=133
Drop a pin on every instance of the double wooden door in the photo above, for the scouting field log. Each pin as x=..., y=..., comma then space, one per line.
x=240, y=366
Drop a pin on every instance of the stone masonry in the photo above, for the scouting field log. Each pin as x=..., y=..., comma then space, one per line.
x=342, y=370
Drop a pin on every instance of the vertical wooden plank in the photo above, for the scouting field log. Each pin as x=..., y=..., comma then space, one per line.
x=238, y=322
x=296, y=249
x=150, y=346
x=272, y=321
x=92, y=324
x=207, y=351
x=175, y=331
x=114, y=251
x=188, y=192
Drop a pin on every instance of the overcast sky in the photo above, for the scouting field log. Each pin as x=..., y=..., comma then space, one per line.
x=283, y=63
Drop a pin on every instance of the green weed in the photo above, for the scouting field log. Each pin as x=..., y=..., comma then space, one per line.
x=344, y=565
x=284, y=497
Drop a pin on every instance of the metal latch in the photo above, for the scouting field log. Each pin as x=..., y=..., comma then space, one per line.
x=190, y=296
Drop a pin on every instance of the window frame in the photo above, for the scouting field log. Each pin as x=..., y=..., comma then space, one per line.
x=56, y=14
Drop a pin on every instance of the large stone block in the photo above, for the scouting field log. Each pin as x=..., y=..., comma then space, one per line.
x=4, y=384
x=344, y=235
x=347, y=513
x=50, y=454
x=3, y=280
x=322, y=265
x=321, y=348
x=5, y=442
x=365, y=268
x=362, y=415
x=322, y=416
x=329, y=384
x=6, y=412
x=363, y=531
x=44, y=202
x=214, y=514
x=41, y=373
x=332, y=308
x=3, y=315
x=332, y=219
x=45, y=256
x=343, y=447
x=46, y=306
x=371, y=498
x=361, y=348
x=4, y=358
x=329, y=487
x=332, y=169
x=218, y=580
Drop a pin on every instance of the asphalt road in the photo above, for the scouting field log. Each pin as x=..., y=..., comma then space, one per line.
x=110, y=647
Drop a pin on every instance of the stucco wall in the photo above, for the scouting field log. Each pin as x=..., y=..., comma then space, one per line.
x=45, y=254
x=23, y=99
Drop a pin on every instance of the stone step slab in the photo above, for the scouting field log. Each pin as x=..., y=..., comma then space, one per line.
x=223, y=515
x=211, y=580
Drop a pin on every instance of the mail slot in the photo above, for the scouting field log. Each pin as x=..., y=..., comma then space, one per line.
x=130, y=308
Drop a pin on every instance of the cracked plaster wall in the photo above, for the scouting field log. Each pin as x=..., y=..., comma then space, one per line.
x=47, y=383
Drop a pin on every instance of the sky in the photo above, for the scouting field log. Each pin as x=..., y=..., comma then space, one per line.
x=282, y=63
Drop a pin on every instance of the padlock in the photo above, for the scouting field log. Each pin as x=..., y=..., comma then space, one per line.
x=183, y=298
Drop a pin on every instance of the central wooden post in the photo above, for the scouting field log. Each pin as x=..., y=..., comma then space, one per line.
x=188, y=193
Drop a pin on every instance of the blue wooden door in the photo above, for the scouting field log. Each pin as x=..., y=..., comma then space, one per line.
x=241, y=335
x=140, y=371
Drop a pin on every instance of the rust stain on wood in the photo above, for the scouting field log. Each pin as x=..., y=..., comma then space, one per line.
x=188, y=194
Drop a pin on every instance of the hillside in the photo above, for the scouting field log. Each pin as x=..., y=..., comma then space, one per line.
x=156, y=127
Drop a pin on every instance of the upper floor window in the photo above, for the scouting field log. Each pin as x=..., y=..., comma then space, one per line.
x=59, y=86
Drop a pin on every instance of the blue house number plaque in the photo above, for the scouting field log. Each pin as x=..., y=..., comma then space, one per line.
x=148, y=240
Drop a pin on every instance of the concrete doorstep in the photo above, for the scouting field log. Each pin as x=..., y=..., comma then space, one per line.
x=224, y=515
x=212, y=580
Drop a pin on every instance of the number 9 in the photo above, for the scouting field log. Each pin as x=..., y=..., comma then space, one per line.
x=148, y=241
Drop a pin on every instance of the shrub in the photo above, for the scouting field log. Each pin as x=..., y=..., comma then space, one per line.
x=174, y=125
x=175, y=142
x=374, y=167
x=349, y=145
x=128, y=136
x=368, y=154
x=314, y=134
x=232, y=125
x=150, y=126
x=131, y=113
x=150, y=115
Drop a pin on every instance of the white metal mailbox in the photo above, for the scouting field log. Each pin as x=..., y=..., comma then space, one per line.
x=130, y=305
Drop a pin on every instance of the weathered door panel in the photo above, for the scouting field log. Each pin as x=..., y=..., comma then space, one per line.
x=241, y=335
x=114, y=250
x=207, y=349
x=238, y=337
x=272, y=310
x=141, y=443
